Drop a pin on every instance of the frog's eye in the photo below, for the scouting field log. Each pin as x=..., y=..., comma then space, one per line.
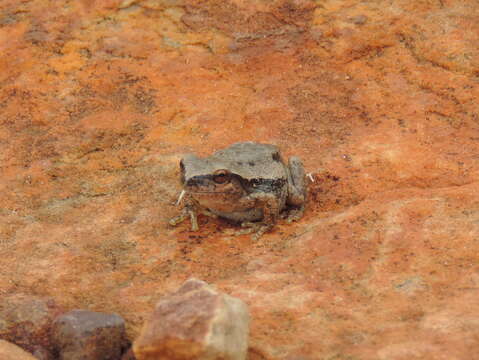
x=221, y=176
x=276, y=156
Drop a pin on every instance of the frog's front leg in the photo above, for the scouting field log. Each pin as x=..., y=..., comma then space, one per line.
x=191, y=209
x=270, y=206
x=297, y=188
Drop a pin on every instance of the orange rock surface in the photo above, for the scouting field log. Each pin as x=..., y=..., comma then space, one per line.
x=100, y=99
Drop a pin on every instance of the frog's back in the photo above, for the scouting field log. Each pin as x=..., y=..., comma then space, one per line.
x=248, y=148
x=252, y=160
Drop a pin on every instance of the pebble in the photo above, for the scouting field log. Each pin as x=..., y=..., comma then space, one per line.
x=88, y=335
x=359, y=19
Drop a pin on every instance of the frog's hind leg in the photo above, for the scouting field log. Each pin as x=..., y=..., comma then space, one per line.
x=270, y=207
x=208, y=213
x=297, y=189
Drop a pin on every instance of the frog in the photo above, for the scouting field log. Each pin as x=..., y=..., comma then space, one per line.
x=247, y=183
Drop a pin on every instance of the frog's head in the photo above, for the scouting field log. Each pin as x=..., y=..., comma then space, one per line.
x=206, y=176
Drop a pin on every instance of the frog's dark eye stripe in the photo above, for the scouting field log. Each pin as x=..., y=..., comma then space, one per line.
x=221, y=176
x=276, y=156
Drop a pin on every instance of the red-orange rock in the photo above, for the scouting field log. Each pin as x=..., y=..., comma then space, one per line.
x=100, y=99
x=195, y=322
x=9, y=351
x=26, y=320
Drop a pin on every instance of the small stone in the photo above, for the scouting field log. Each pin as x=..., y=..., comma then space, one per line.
x=359, y=19
x=88, y=335
x=26, y=321
x=317, y=35
x=196, y=322
x=9, y=351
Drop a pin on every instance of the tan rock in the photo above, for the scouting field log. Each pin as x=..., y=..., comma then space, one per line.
x=9, y=351
x=196, y=322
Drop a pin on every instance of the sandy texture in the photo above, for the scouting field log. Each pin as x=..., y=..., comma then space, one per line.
x=100, y=99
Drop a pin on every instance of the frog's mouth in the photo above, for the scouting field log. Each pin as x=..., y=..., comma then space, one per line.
x=230, y=189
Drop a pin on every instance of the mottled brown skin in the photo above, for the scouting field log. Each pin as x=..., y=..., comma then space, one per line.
x=247, y=182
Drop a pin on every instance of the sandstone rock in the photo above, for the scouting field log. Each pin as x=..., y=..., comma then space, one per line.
x=88, y=335
x=26, y=321
x=100, y=99
x=196, y=322
x=9, y=351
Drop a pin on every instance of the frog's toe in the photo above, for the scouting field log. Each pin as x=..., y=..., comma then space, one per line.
x=248, y=228
x=244, y=231
x=186, y=213
x=295, y=215
x=284, y=215
x=257, y=228
x=260, y=231
x=177, y=219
